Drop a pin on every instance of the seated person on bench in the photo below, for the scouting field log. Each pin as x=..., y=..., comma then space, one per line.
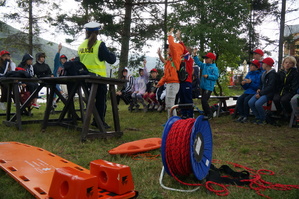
x=250, y=84
x=6, y=65
x=139, y=89
x=265, y=92
x=26, y=65
x=288, y=84
x=126, y=91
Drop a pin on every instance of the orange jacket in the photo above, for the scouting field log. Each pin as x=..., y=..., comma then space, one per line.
x=173, y=63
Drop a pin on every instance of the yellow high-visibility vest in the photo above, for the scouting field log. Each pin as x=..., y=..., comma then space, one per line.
x=89, y=57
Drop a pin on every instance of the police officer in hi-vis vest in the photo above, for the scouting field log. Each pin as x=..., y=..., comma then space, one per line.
x=93, y=53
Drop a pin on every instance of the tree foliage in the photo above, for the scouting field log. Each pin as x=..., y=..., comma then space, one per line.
x=221, y=27
x=30, y=14
x=128, y=23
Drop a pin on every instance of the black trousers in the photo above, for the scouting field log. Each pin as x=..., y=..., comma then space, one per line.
x=205, y=96
x=125, y=96
x=185, y=95
x=101, y=98
x=4, y=90
x=282, y=103
x=31, y=87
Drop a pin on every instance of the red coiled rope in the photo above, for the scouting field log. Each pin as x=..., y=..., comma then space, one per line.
x=178, y=147
x=177, y=152
x=178, y=161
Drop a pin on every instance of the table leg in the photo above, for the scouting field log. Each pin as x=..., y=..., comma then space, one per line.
x=69, y=102
x=91, y=109
x=48, y=107
x=114, y=108
x=8, y=108
x=81, y=103
x=17, y=102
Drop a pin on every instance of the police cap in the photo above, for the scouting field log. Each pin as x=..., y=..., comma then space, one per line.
x=92, y=26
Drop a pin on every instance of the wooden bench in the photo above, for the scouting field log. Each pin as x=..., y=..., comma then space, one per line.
x=222, y=105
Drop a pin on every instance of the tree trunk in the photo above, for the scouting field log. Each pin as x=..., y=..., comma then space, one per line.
x=125, y=41
x=281, y=34
x=30, y=28
x=220, y=89
x=165, y=28
x=201, y=36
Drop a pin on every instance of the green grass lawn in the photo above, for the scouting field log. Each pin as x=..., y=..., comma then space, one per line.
x=256, y=147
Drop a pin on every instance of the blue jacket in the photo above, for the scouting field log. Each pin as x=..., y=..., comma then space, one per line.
x=57, y=64
x=207, y=69
x=255, y=84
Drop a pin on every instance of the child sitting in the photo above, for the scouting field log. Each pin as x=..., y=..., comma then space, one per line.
x=250, y=84
x=126, y=91
x=139, y=89
x=265, y=93
x=288, y=84
x=150, y=94
x=41, y=69
x=26, y=65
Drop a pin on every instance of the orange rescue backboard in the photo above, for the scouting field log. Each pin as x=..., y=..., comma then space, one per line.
x=34, y=169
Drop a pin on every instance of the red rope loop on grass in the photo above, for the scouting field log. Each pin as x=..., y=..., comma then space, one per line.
x=258, y=184
x=222, y=192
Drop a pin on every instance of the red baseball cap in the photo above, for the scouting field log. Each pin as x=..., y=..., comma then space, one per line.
x=269, y=61
x=63, y=56
x=258, y=51
x=255, y=62
x=3, y=52
x=210, y=55
x=154, y=70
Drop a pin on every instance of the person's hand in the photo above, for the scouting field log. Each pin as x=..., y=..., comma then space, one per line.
x=248, y=81
x=178, y=35
x=205, y=76
x=59, y=47
x=170, y=32
x=243, y=82
x=159, y=51
x=258, y=91
x=257, y=96
x=144, y=62
x=194, y=51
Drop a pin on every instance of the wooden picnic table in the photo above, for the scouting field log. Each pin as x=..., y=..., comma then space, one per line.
x=76, y=84
x=14, y=119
